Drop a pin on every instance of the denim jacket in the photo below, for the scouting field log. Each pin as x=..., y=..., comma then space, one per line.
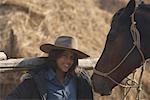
x=35, y=88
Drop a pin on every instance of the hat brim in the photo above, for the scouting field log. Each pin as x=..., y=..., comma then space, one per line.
x=48, y=47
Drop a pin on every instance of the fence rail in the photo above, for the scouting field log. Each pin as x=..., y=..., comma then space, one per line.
x=28, y=63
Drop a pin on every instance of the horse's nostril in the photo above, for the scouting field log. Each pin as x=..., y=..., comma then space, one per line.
x=101, y=87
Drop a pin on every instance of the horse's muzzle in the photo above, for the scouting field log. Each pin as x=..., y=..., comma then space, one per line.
x=101, y=87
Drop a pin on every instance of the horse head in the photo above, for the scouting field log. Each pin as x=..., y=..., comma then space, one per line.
x=122, y=53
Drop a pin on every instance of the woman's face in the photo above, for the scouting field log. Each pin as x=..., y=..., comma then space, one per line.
x=65, y=61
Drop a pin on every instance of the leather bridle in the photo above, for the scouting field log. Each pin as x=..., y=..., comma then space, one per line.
x=136, y=44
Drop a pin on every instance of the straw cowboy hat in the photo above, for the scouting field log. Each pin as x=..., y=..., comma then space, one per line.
x=64, y=43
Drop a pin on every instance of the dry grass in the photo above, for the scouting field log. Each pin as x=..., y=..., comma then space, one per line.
x=81, y=19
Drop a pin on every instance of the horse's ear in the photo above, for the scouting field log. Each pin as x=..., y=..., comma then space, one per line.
x=130, y=8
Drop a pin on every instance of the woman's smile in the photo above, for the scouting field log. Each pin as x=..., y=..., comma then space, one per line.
x=65, y=61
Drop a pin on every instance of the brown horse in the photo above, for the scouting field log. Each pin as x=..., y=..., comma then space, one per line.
x=127, y=46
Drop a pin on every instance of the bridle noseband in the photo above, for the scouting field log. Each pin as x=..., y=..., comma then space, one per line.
x=136, y=44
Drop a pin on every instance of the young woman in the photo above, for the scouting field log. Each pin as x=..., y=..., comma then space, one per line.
x=56, y=79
